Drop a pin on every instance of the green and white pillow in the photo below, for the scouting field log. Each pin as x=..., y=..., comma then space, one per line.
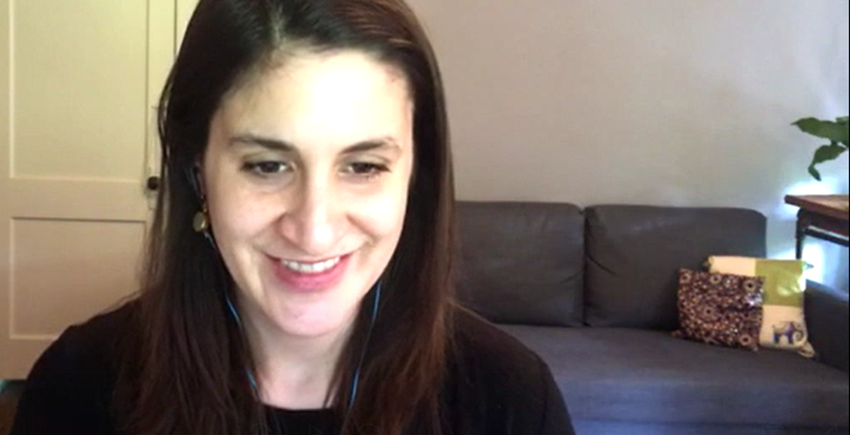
x=784, y=324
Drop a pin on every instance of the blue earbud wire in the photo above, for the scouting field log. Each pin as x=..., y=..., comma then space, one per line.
x=354, y=383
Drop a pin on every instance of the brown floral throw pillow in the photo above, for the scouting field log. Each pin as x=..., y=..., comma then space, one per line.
x=720, y=309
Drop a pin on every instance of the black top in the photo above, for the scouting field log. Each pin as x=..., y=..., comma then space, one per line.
x=495, y=386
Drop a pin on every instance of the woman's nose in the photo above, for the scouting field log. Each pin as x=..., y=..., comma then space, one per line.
x=313, y=222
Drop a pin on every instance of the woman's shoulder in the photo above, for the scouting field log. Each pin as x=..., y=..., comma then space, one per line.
x=480, y=343
x=72, y=381
x=94, y=344
x=497, y=385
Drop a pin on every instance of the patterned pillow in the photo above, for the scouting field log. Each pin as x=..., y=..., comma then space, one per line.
x=720, y=309
x=783, y=314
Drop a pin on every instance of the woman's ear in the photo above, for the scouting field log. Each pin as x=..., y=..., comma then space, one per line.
x=197, y=181
x=202, y=188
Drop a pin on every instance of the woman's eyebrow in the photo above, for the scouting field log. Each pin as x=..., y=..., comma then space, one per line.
x=382, y=143
x=379, y=144
x=265, y=142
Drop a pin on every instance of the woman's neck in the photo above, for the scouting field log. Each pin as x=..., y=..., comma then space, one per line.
x=294, y=372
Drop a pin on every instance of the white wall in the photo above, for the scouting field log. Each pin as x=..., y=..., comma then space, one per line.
x=669, y=102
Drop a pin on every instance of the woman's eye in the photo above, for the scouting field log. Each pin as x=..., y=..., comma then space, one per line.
x=368, y=169
x=267, y=167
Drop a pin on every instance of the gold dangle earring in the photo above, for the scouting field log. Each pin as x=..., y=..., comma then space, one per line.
x=201, y=221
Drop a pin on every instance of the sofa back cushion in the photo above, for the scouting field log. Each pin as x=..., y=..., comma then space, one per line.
x=521, y=263
x=634, y=254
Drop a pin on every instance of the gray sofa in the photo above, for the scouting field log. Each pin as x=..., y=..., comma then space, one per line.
x=593, y=291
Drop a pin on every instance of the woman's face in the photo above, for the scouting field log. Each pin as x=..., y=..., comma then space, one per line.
x=306, y=175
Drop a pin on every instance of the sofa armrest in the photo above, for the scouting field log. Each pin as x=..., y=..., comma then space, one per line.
x=827, y=314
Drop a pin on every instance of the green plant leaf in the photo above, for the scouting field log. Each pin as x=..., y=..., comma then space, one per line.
x=814, y=173
x=835, y=131
x=824, y=154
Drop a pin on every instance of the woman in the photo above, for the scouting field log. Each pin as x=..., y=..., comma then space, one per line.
x=299, y=269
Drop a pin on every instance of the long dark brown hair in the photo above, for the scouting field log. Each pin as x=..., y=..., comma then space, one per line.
x=188, y=375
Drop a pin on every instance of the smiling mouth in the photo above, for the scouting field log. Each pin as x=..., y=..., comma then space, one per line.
x=310, y=268
x=310, y=276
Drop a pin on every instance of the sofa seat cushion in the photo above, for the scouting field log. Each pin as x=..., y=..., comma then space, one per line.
x=620, y=374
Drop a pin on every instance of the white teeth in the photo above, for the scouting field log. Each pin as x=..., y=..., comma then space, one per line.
x=319, y=267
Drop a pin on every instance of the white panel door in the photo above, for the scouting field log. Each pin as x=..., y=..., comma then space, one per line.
x=184, y=13
x=78, y=84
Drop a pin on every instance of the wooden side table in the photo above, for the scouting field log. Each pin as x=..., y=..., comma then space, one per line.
x=821, y=216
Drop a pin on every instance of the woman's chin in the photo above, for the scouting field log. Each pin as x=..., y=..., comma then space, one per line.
x=308, y=319
x=310, y=328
